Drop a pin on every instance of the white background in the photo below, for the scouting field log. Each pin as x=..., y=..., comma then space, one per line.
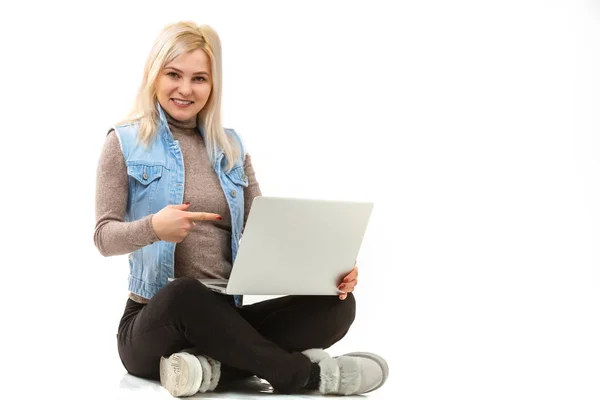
x=472, y=125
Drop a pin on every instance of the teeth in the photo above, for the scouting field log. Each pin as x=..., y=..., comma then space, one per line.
x=183, y=103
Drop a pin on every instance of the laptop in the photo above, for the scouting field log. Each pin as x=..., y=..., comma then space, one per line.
x=294, y=246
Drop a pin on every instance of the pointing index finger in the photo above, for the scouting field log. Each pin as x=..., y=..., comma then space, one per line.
x=203, y=216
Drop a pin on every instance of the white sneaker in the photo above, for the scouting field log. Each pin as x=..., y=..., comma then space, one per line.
x=374, y=370
x=181, y=374
x=352, y=373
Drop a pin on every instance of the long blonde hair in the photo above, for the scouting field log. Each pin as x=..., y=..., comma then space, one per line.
x=174, y=40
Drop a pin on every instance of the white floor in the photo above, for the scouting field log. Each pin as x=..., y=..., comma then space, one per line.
x=130, y=387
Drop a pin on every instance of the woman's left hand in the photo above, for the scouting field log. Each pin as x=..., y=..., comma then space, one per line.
x=349, y=282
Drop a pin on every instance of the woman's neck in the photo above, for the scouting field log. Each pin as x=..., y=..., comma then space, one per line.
x=187, y=124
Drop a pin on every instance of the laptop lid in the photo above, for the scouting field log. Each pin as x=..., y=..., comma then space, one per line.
x=298, y=246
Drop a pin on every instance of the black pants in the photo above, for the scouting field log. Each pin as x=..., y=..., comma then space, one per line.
x=263, y=339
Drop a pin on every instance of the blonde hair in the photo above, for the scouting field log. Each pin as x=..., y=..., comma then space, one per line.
x=174, y=40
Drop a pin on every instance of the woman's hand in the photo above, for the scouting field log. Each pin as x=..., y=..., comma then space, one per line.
x=349, y=282
x=173, y=223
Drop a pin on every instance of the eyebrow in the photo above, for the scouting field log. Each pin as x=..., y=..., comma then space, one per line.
x=181, y=72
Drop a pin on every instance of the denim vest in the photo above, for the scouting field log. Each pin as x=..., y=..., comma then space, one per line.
x=156, y=179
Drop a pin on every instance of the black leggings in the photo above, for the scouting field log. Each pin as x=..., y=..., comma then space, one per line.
x=263, y=339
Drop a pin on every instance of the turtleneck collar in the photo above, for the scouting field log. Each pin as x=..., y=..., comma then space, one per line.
x=188, y=124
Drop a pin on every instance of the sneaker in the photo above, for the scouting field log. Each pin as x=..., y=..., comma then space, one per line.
x=352, y=373
x=374, y=370
x=181, y=374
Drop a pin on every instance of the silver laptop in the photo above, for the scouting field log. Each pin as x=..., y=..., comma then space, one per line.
x=296, y=246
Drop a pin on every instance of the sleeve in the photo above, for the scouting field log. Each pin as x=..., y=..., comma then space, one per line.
x=253, y=189
x=113, y=235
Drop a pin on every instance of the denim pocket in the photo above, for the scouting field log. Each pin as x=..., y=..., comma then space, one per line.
x=145, y=174
x=143, y=182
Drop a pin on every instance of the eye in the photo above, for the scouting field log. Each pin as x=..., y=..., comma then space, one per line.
x=173, y=74
x=200, y=78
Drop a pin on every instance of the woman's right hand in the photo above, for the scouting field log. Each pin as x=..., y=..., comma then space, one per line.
x=173, y=223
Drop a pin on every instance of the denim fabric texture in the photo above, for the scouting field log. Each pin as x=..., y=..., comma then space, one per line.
x=156, y=179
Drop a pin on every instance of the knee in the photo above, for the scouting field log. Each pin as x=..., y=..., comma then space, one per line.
x=339, y=312
x=184, y=291
x=339, y=317
x=186, y=284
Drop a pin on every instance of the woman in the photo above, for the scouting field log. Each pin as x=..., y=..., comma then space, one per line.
x=181, y=333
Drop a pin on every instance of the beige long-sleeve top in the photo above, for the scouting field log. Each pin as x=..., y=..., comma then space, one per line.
x=206, y=251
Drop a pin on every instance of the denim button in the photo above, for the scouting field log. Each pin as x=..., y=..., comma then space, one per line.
x=145, y=175
x=233, y=193
x=244, y=177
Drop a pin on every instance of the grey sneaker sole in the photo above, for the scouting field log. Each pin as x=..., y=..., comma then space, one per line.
x=379, y=360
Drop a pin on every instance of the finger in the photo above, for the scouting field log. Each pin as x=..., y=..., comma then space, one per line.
x=352, y=275
x=202, y=216
x=183, y=206
x=351, y=283
x=343, y=296
x=348, y=287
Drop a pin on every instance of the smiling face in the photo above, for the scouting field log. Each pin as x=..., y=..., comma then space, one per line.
x=183, y=86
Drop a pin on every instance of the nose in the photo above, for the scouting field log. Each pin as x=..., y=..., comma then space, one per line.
x=185, y=88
